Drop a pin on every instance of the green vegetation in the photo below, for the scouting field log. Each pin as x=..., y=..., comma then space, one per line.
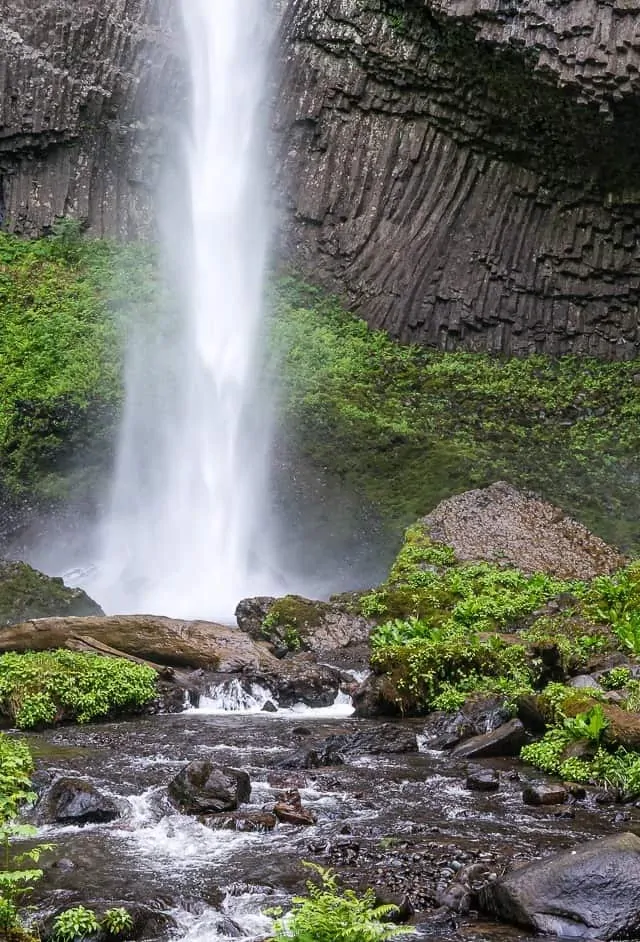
x=40, y=688
x=406, y=426
x=17, y=870
x=329, y=913
x=64, y=302
x=78, y=923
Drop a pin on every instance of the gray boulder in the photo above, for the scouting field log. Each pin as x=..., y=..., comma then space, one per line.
x=506, y=740
x=591, y=892
x=74, y=801
x=204, y=788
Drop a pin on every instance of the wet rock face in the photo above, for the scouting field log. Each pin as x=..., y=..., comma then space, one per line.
x=74, y=801
x=501, y=524
x=87, y=88
x=204, y=788
x=26, y=593
x=591, y=892
x=465, y=169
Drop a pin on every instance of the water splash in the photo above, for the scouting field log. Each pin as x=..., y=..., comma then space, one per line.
x=186, y=530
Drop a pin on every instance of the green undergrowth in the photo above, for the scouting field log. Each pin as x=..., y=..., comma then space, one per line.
x=42, y=688
x=406, y=426
x=65, y=302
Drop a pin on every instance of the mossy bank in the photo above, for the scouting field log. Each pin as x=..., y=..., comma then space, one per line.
x=397, y=427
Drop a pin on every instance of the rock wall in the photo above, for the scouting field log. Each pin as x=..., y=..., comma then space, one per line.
x=86, y=87
x=468, y=171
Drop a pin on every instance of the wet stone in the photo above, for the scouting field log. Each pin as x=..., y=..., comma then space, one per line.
x=506, y=740
x=74, y=801
x=544, y=794
x=202, y=787
x=482, y=780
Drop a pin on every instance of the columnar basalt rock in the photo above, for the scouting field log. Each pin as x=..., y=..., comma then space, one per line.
x=87, y=92
x=467, y=171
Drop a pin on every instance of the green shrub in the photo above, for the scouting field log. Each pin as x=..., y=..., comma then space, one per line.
x=329, y=913
x=75, y=924
x=117, y=921
x=39, y=688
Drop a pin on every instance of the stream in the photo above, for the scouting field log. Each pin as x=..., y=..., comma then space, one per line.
x=400, y=822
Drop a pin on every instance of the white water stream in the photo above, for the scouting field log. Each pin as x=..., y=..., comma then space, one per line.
x=187, y=531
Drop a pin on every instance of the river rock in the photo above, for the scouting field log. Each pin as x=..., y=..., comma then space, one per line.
x=516, y=528
x=479, y=714
x=482, y=780
x=204, y=788
x=590, y=892
x=289, y=809
x=240, y=821
x=75, y=801
x=26, y=593
x=543, y=794
x=376, y=696
x=506, y=740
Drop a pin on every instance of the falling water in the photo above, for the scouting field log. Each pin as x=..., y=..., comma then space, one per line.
x=186, y=529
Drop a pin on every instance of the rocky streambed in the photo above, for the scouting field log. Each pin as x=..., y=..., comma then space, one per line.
x=388, y=813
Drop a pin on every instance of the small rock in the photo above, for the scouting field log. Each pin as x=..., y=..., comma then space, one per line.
x=483, y=780
x=544, y=794
x=269, y=707
x=240, y=821
x=289, y=809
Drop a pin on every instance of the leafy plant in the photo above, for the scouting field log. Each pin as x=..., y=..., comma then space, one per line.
x=75, y=924
x=38, y=688
x=589, y=725
x=117, y=921
x=329, y=913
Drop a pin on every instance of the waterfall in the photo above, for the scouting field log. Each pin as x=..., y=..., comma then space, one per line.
x=185, y=534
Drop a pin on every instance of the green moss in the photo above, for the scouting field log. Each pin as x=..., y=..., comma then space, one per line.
x=63, y=301
x=406, y=427
x=26, y=593
x=290, y=619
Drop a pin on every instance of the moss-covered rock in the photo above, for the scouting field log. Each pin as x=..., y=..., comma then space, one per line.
x=26, y=593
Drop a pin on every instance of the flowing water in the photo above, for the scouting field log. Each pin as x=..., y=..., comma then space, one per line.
x=398, y=822
x=187, y=531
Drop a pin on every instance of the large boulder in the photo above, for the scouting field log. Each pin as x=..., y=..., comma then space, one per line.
x=590, y=892
x=506, y=740
x=202, y=787
x=294, y=623
x=502, y=524
x=74, y=801
x=26, y=593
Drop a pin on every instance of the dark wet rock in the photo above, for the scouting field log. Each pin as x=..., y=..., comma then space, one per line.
x=500, y=523
x=325, y=753
x=376, y=696
x=26, y=593
x=240, y=821
x=302, y=680
x=202, y=787
x=531, y=713
x=289, y=809
x=75, y=801
x=544, y=794
x=482, y=780
x=269, y=707
x=591, y=892
x=478, y=715
x=506, y=740
x=294, y=623
x=387, y=738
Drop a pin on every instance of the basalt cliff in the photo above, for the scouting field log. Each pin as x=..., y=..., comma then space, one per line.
x=465, y=172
